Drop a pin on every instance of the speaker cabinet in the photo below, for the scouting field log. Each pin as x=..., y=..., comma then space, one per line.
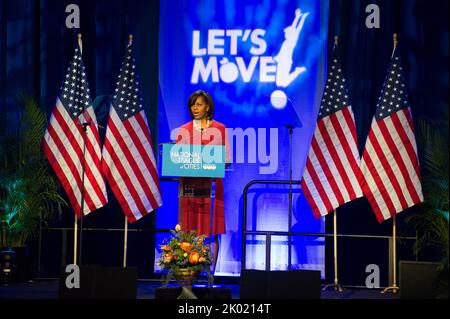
x=296, y=284
x=101, y=283
x=418, y=280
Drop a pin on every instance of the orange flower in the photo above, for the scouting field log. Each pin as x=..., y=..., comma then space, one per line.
x=168, y=258
x=200, y=241
x=203, y=249
x=201, y=259
x=165, y=248
x=186, y=246
x=194, y=257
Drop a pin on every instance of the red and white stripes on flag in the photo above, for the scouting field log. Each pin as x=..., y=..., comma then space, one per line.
x=332, y=175
x=389, y=163
x=63, y=141
x=128, y=157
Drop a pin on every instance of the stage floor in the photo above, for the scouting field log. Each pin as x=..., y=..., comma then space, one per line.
x=146, y=290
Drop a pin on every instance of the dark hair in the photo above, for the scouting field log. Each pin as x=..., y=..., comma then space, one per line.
x=208, y=100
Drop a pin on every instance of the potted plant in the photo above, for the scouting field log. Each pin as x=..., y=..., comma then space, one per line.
x=184, y=257
x=28, y=190
x=432, y=220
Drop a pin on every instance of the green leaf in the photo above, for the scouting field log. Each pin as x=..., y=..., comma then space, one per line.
x=28, y=187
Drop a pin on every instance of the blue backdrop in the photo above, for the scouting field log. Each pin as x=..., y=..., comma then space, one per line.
x=230, y=49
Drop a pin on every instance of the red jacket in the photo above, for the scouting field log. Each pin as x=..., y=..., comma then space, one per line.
x=195, y=205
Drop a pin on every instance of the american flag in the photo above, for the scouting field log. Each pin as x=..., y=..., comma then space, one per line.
x=128, y=157
x=332, y=175
x=63, y=141
x=389, y=162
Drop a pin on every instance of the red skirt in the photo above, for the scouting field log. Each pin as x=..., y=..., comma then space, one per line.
x=197, y=209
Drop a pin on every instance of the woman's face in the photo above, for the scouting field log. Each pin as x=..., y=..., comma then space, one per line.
x=199, y=109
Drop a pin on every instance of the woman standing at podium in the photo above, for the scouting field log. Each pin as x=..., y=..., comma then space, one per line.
x=201, y=200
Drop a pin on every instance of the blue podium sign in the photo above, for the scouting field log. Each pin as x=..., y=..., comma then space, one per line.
x=189, y=160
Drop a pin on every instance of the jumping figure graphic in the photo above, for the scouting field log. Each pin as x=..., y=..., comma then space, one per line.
x=284, y=77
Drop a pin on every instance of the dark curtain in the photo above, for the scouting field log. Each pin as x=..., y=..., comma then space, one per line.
x=422, y=28
x=35, y=49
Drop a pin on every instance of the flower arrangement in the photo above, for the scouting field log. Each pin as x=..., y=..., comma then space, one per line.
x=186, y=251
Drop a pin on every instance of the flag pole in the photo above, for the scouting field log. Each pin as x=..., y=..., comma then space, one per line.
x=125, y=243
x=393, y=288
x=75, y=225
x=75, y=232
x=83, y=166
x=125, y=239
x=336, y=284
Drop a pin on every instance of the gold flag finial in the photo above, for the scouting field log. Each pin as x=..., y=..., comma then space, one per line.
x=395, y=43
x=130, y=39
x=80, y=43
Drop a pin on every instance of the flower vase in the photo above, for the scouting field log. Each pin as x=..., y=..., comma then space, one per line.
x=186, y=278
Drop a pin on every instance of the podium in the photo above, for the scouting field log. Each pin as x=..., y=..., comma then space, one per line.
x=191, y=160
x=200, y=196
x=201, y=169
